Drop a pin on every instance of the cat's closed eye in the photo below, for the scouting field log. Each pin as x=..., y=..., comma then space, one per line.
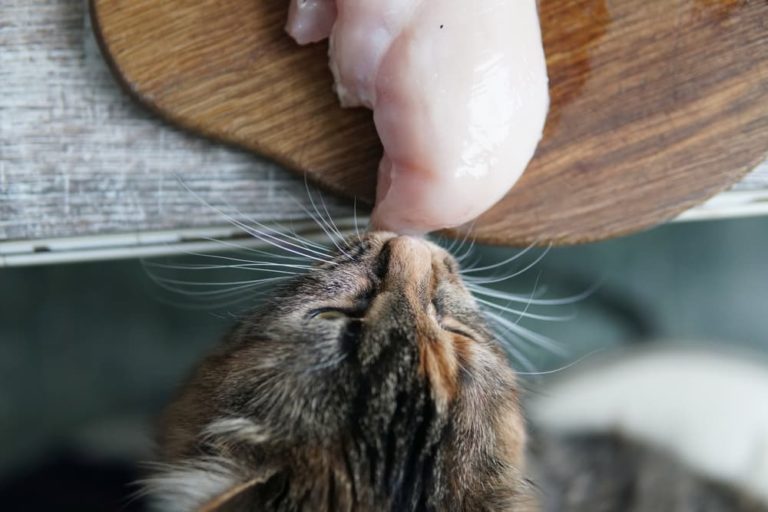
x=452, y=327
x=329, y=314
x=446, y=322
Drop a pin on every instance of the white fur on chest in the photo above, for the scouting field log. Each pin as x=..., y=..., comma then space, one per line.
x=185, y=488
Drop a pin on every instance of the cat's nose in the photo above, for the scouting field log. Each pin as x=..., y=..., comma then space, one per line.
x=410, y=262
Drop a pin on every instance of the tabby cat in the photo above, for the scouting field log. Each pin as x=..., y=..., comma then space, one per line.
x=370, y=383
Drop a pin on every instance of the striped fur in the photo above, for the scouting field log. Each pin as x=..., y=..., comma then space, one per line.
x=368, y=384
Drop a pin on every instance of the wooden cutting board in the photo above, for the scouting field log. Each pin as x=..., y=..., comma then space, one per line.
x=656, y=104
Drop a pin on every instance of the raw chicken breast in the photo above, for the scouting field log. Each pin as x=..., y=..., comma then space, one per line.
x=459, y=93
x=310, y=21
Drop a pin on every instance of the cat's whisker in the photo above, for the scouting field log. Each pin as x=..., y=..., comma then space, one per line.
x=248, y=289
x=444, y=243
x=511, y=297
x=477, y=259
x=441, y=241
x=498, y=279
x=524, y=313
x=471, y=248
x=264, y=237
x=242, y=248
x=209, y=303
x=327, y=228
x=507, y=296
x=233, y=283
x=167, y=283
x=467, y=233
x=564, y=367
x=331, y=222
x=530, y=298
x=464, y=239
x=234, y=259
x=242, y=266
x=477, y=289
x=451, y=247
x=507, y=261
x=326, y=220
x=329, y=233
x=281, y=244
x=318, y=245
x=459, y=255
x=304, y=240
x=527, y=302
x=468, y=253
x=285, y=233
x=526, y=334
x=208, y=300
x=511, y=349
x=274, y=238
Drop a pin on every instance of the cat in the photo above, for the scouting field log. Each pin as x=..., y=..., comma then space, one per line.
x=370, y=383
x=373, y=382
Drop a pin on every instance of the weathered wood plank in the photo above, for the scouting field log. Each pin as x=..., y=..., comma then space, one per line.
x=79, y=159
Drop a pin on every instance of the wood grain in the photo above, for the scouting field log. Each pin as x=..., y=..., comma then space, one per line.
x=81, y=160
x=656, y=105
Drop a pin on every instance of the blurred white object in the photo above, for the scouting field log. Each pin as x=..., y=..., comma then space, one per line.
x=706, y=407
x=459, y=94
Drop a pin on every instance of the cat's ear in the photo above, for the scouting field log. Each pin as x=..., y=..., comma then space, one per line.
x=246, y=496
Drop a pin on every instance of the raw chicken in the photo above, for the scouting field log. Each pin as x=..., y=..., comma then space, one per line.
x=459, y=94
x=310, y=21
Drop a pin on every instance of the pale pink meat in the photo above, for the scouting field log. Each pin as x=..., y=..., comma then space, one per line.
x=310, y=21
x=459, y=93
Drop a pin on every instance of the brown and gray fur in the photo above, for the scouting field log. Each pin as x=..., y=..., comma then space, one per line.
x=370, y=384
x=374, y=384
x=610, y=473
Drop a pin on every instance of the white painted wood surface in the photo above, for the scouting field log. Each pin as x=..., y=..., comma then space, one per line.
x=87, y=174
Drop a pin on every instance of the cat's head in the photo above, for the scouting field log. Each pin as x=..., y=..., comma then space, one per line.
x=370, y=383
